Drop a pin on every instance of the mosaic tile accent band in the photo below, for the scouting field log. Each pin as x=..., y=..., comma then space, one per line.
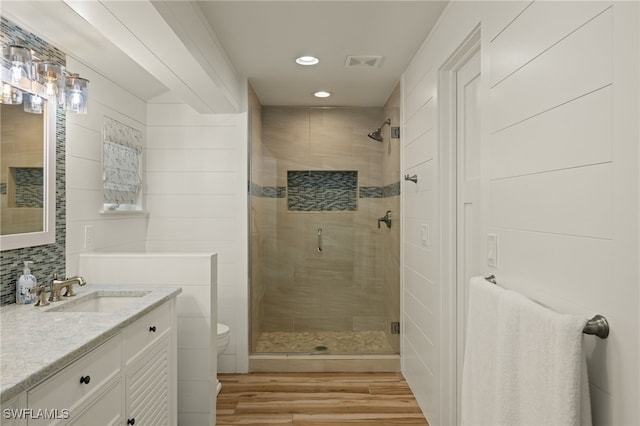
x=322, y=190
x=371, y=192
x=391, y=190
x=267, y=191
x=47, y=258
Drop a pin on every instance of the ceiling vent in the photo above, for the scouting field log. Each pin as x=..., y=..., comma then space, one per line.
x=354, y=61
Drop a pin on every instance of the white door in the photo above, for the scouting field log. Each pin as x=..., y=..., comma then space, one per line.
x=468, y=250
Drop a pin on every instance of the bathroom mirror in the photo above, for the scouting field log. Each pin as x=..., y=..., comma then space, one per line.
x=27, y=176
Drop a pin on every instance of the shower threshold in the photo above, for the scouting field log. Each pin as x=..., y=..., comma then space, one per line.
x=324, y=343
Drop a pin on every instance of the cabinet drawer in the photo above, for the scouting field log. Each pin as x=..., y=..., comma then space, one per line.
x=146, y=331
x=106, y=410
x=66, y=391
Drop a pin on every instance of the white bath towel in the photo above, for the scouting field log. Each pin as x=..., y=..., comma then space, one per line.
x=529, y=370
x=480, y=354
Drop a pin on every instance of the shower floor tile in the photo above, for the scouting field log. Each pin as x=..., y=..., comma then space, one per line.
x=324, y=342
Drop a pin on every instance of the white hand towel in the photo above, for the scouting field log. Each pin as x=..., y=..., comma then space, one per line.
x=538, y=374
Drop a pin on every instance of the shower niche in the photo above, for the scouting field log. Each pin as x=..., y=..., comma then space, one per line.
x=320, y=190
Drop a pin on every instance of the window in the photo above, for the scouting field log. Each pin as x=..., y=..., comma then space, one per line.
x=122, y=167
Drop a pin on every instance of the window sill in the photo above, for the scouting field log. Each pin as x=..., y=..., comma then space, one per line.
x=124, y=213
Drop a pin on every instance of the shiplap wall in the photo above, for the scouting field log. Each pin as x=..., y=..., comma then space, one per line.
x=197, y=199
x=559, y=107
x=113, y=232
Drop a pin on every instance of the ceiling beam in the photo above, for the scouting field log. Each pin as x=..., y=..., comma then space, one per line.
x=139, y=30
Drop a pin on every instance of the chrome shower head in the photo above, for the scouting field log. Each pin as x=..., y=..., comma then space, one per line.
x=376, y=135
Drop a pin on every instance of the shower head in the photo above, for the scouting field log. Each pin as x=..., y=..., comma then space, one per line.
x=376, y=135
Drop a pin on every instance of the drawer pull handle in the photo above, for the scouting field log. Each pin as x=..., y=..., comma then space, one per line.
x=152, y=329
x=131, y=422
x=85, y=379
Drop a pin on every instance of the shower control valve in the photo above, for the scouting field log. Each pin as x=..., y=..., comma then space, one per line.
x=386, y=219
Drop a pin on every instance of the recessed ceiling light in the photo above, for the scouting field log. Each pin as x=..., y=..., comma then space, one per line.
x=322, y=94
x=307, y=60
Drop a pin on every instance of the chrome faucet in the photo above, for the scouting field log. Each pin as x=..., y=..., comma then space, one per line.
x=57, y=286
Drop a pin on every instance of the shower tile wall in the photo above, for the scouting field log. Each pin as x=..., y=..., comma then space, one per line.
x=340, y=288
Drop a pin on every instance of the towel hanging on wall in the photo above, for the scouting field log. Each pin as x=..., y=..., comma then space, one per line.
x=523, y=364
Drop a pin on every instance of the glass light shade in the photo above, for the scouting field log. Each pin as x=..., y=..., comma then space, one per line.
x=11, y=95
x=322, y=94
x=20, y=58
x=76, y=94
x=33, y=104
x=51, y=75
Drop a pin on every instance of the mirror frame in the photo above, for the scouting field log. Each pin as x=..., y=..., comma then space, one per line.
x=48, y=234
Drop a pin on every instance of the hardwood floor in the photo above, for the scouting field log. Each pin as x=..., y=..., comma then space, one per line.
x=317, y=399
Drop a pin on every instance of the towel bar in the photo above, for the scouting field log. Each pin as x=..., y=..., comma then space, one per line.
x=596, y=326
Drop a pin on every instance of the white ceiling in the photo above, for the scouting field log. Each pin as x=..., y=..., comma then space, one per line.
x=261, y=39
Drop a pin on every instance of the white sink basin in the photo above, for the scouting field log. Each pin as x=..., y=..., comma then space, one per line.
x=100, y=302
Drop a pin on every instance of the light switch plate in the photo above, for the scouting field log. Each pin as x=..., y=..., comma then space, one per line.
x=88, y=237
x=492, y=250
x=425, y=235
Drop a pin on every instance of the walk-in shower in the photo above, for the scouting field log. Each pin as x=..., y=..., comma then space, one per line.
x=324, y=276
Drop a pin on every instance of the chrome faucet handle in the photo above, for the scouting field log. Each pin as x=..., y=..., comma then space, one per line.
x=41, y=293
x=54, y=295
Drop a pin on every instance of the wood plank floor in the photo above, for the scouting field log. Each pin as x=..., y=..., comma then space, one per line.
x=317, y=399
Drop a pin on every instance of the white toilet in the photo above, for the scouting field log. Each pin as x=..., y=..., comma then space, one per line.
x=221, y=343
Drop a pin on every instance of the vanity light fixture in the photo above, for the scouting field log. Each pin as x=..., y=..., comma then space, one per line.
x=33, y=104
x=307, y=60
x=21, y=68
x=20, y=62
x=10, y=95
x=51, y=74
x=76, y=94
x=322, y=94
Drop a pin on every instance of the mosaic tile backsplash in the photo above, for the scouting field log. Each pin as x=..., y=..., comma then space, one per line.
x=322, y=190
x=47, y=258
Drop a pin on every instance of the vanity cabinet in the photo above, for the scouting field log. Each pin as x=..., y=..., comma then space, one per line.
x=129, y=379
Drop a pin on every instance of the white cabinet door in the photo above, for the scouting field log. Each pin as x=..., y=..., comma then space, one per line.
x=148, y=386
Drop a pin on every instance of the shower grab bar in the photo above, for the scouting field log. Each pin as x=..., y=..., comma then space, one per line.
x=319, y=239
x=596, y=326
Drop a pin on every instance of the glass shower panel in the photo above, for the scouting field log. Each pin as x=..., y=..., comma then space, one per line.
x=318, y=258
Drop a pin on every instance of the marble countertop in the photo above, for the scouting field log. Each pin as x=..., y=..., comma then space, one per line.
x=37, y=342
